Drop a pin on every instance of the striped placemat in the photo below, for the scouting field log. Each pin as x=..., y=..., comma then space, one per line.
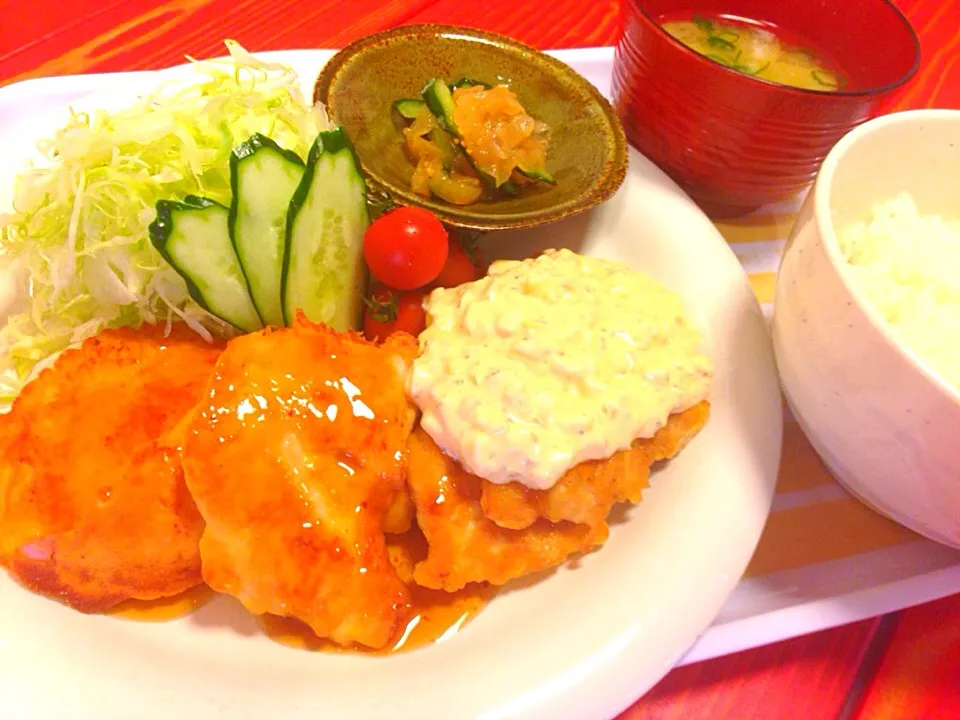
x=813, y=519
x=824, y=558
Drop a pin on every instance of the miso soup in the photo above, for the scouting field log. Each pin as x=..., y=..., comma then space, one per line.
x=756, y=50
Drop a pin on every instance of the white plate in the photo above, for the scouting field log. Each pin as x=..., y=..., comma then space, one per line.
x=582, y=642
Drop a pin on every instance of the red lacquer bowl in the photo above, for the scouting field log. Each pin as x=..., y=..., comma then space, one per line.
x=734, y=142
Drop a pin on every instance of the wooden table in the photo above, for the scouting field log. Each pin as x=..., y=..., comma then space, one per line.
x=897, y=667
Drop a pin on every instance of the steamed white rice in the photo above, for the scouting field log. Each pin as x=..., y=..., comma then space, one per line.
x=908, y=266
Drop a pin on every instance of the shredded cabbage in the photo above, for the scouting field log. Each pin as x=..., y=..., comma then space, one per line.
x=78, y=233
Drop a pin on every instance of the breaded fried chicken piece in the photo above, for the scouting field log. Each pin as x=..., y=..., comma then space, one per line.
x=464, y=545
x=294, y=458
x=587, y=492
x=93, y=508
x=145, y=546
x=467, y=521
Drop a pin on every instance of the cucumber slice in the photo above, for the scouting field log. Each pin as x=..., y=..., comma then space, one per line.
x=509, y=188
x=448, y=152
x=456, y=191
x=469, y=82
x=323, y=261
x=193, y=236
x=408, y=108
x=537, y=174
x=438, y=98
x=263, y=177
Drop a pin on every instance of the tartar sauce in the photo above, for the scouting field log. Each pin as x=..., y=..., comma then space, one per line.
x=549, y=362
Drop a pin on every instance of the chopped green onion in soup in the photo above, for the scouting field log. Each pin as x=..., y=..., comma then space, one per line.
x=755, y=51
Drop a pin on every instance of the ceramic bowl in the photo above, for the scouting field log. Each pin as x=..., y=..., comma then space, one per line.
x=587, y=154
x=735, y=142
x=881, y=419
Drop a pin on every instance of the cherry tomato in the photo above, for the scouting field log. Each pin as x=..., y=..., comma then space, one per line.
x=388, y=312
x=406, y=248
x=460, y=268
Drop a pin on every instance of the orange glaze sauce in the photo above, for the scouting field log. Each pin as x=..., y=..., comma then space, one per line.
x=163, y=609
x=436, y=614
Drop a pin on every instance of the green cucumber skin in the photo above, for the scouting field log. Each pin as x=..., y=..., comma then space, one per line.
x=444, y=142
x=541, y=175
x=260, y=142
x=437, y=96
x=408, y=108
x=265, y=300
x=510, y=188
x=350, y=305
x=470, y=82
x=160, y=231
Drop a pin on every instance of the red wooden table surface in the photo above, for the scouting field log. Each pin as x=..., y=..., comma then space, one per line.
x=899, y=667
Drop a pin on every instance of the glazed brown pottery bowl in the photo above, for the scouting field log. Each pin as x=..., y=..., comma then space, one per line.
x=587, y=152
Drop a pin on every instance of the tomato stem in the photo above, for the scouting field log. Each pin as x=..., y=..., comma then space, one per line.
x=470, y=244
x=383, y=311
x=379, y=202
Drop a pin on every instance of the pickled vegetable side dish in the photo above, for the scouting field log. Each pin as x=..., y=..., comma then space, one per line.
x=470, y=139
